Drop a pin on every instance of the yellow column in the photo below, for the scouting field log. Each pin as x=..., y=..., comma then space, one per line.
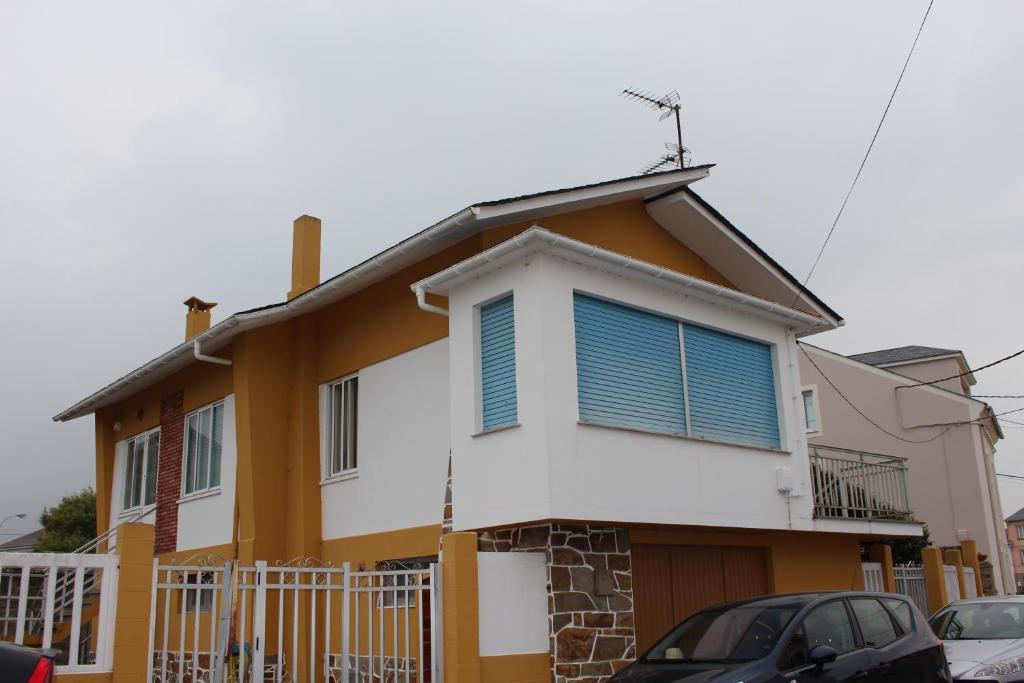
x=882, y=554
x=461, y=608
x=954, y=558
x=931, y=560
x=134, y=584
x=969, y=550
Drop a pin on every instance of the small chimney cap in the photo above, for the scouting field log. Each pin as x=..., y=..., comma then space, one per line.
x=194, y=303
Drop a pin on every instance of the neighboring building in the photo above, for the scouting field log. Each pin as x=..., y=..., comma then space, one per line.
x=1015, y=537
x=608, y=372
x=22, y=544
x=946, y=438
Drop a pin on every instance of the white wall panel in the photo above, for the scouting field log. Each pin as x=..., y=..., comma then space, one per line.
x=513, y=603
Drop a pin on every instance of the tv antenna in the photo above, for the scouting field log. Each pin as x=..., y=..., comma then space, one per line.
x=668, y=105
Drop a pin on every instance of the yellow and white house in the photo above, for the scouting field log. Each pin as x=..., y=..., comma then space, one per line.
x=587, y=401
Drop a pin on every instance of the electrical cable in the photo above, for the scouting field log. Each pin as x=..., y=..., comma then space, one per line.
x=870, y=146
x=969, y=372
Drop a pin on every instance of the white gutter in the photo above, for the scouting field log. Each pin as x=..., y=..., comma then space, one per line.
x=538, y=236
x=199, y=355
x=421, y=301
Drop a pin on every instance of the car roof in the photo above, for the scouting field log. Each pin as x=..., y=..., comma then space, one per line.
x=982, y=599
x=802, y=599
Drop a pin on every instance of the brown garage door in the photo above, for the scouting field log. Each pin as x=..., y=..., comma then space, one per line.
x=671, y=582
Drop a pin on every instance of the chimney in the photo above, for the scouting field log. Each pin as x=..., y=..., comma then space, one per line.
x=305, y=255
x=197, y=320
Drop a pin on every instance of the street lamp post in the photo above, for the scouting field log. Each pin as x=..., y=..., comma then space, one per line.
x=19, y=515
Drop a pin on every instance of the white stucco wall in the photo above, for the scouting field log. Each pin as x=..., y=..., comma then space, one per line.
x=513, y=603
x=403, y=445
x=208, y=518
x=549, y=466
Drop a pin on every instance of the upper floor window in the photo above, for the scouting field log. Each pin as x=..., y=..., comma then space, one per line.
x=1020, y=532
x=142, y=456
x=204, y=436
x=638, y=369
x=342, y=417
x=498, y=364
x=812, y=417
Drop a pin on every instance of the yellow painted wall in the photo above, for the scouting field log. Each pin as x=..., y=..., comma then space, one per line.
x=84, y=678
x=528, y=668
x=799, y=561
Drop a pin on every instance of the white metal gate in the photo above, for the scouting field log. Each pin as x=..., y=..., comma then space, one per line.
x=910, y=582
x=873, y=580
x=285, y=624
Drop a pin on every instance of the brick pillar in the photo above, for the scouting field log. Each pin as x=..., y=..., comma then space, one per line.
x=935, y=580
x=168, y=480
x=882, y=554
x=134, y=583
x=954, y=558
x=461, y=608
x=969, y=550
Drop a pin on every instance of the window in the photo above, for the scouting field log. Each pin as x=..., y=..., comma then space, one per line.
x=1020, y=532
x=204, y=432
x=142, y=455
x=202, y=583
x=876, y=626
x=1022, y=555
x=812, y=418
x=392, y=586
x=342, y=415
x=498, y=364
x=633, y=370
x=829, y=625
x=901, y=611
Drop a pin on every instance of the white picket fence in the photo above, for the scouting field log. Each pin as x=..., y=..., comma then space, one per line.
x=308, y=622
x=873, y=580
x=47, y=592
x=952, y=582
x=969, y=583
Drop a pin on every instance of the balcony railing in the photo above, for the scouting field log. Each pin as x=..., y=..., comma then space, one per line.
x=859, y=485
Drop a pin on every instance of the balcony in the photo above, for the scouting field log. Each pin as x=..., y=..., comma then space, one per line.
x=859, y=485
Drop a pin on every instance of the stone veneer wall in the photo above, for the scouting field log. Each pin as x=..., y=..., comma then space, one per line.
x=590, y=595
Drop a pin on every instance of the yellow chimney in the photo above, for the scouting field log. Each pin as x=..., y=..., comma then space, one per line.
x=305, y=255
x=197, y=320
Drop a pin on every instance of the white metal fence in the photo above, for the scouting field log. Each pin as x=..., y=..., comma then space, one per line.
x=61, y=600
x=970, y=585
x=295, y=623
x=952, y=582
x=873, y=580
x=910, y=582
x=858, y=484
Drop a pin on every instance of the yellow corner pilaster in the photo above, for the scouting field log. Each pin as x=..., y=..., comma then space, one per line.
x=969, y=551
x=134, y=584
x=882, y=554
x=461, y=608
x=931, y=561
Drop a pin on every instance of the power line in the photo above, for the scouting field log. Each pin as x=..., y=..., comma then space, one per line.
x=969, y=372
x=948, y=425
x=870, y=146
x=1015, y=477
x=997, y=395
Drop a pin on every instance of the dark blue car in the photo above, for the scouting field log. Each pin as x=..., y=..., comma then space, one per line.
x=805, y=637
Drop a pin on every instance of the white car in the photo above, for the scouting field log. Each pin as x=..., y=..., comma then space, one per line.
x=984, y=638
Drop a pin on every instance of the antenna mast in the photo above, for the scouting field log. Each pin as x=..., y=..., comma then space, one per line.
x=668, y=105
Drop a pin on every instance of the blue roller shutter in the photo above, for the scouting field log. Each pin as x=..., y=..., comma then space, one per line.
x=628, y=367
x=498, y=363
x=731, y=385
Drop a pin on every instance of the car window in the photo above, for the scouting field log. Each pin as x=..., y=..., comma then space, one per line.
x=988, y=620
x=829, y=625
x=876, y=626
x=901, y=611
x=734, y=634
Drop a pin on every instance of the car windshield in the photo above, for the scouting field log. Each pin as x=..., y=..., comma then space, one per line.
x=980, y=621
x=727, y=635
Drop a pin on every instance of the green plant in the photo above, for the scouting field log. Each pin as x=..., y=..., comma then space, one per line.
x=68, y=525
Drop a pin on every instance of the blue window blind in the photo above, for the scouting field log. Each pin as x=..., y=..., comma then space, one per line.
x=498, y=363
x=731, y=385
x=628, y=367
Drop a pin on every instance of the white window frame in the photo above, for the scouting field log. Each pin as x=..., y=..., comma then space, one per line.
x=127, y=479
x=328, y=435
x=813, y=389
x=208, y=489
x=1021, y=551
x=1020, y=532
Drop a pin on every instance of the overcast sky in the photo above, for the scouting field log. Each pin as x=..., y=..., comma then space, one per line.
x=152, y=151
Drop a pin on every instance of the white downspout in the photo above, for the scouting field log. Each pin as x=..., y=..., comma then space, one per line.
x=203, y=357
x=421, y=301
